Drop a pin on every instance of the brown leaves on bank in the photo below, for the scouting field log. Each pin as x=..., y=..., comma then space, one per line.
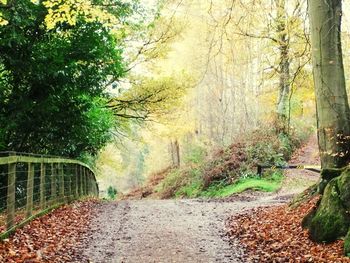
x=275, y=234
x=52, y=238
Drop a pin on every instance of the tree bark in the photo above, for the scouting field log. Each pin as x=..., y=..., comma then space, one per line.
x=284, y=66
x=175, y=153
x=333, y=115
x=330, y=219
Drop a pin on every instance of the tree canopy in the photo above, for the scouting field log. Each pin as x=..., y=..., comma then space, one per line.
x=52, y=79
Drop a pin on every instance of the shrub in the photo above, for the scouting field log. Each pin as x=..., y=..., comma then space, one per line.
x=195, y=154
x=232, y=169
x=112, y=192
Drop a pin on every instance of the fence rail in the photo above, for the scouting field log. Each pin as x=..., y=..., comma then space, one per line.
x=312, y=168
x=30, y=184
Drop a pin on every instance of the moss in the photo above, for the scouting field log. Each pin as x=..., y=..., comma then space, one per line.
x=326, y=176
x=308, y=218
x=344, y=188
x=331, y=220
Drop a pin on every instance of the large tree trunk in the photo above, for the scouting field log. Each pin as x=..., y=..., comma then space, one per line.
x=330, y=220
x=333, y=115
x=284, y=66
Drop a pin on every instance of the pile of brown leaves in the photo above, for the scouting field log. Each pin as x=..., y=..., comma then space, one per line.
x=275, y=234
x=225, y=164
x=54, y=237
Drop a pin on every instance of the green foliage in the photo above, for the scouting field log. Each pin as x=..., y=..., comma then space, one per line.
x=241, y=186
x=111, y=192
x=267, y=184
x=191, y=190
x=52, y=98
x=195, y=154
x=192, y=186
x=268, y=148
x=171, y=183
x=233, y=169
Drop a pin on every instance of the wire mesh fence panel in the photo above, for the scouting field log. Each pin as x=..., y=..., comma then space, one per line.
x=47, y=185
x=21, y=174
x=30, y=184
x=3, y=188
x=36, y=184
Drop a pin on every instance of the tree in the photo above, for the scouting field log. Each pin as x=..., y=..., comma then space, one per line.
x=151, y=98
x=330, y=220
x=333, y=114
x=52, y=81
x=278, y=26
x=284, y=65
x=175, y=153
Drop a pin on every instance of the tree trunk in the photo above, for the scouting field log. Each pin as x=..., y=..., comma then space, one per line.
x=333, y=115
x=330, y=220
x=175, y=153
x=284, y=67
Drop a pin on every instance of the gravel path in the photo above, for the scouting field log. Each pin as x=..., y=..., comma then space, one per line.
x=186, y=231
x=165, y=231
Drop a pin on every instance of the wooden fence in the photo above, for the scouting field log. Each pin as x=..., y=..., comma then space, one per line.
x=312, y=168
x=31, y=184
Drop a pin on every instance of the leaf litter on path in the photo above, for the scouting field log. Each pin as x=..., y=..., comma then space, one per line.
x=51, y=238
x=274, y=234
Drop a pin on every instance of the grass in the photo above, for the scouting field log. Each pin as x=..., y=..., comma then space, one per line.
x=228, y=171
x=270, y=184
x=191, y=185
x=192, y=190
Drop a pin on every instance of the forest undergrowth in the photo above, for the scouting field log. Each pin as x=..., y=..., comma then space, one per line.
x=227, y=170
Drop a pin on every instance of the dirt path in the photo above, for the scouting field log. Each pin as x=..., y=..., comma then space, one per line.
x=164, y=231
x=181, y=230
x=295, y=180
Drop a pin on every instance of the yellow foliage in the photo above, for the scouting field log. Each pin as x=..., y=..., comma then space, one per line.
x=70, y=10
x=155, y=97
x=3, y=22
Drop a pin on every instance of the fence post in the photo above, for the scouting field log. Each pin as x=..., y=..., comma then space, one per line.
x=94, y=185
x=97, y=188
x=61, y=182
x=76, y=181
x=84, y=181
x=69, y=178
x=30, y=186
x=87, y=181
x=11, y=195
x=259, y=172
x=42, y=185
x=53, y=184
x=81, y=181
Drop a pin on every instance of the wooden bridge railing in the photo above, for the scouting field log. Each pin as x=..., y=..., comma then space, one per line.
x=31, y=184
